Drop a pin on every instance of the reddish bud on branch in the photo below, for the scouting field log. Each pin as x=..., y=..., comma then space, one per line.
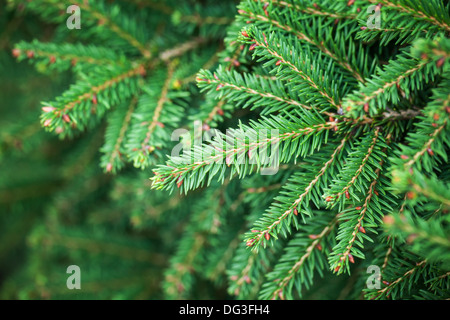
x=16, y=53
x=350, y=258
x=48, y=109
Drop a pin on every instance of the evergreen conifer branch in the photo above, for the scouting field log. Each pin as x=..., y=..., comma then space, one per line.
x=160, y=104
x=440, y=281
x=279, y=217
x=340, y=258
x=193, y=169
x=232, y=85
x=247, y=273
x=357, y=221
x=114, y=144
x=107, y=18
x=349, y=179
x=351, y=122
x=72, y=109
x=294, y=264
x=179, y=50
x=330, y=9
x=208, y=64
x=295, y=66
x=158, y=112
x=403, y=25
x=431, y=189
x=434, y=12
x=66, y=56
x=311, y=35
x=386, y=257
x=392, y=287
x=421, y=151
x=426, y=238
x=390, y=86
x=216, y=110
x=107, y=21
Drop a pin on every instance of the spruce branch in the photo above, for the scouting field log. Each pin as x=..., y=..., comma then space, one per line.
x=402, y=25
x=294, y=66
x=72, y=109
x=248, y=271
x=295, y=265
x=109, y=18
x=65, y=56
x=349, y=177
x=244, y=275
x=390, y=86
x=392, y=286
x=272, y=223
x=352, y=124
x=216, y=112
x=232, y=150
x=425, y=149
x=114, y=145
x=355, y=220
x=232, y=85
x=327, y=10
x=106, y=20
x=346, y=255
x=386, y=258
x=179, y=50
x=434, y=13
x=426, y=238
x=303, y=34
x=158, y=112
x=431, y=189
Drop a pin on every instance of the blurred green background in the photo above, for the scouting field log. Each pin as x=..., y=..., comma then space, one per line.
x=57, y=207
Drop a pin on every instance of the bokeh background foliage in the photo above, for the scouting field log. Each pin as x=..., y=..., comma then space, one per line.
x=57, y=205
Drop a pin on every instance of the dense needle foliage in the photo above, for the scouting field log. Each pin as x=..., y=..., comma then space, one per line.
x=312, y=160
